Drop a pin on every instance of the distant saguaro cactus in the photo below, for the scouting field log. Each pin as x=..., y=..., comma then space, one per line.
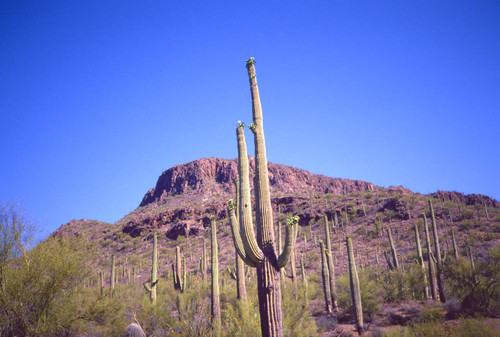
x=151, y=288
x=393, y=249
x=330, y=265
x=432, y=269
x=439, y=263
x=420, y=258
x=112, y=278
x=178, y=272
x=326, y=278
x=355, y=288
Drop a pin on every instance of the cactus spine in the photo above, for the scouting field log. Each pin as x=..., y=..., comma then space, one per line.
x=112, y=277
x=432, y=270
x=151, y=288
x=260, y=250
x=355, y=289
x=393, y=249
x=421, y=260
x=216, y=319
x=330, y=265
x=439, y=263
x=326, y=277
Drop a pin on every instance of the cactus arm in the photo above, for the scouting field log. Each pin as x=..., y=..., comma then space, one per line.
x=236, y=234
x=244, y=206
x=231, y=273
x=290, y=237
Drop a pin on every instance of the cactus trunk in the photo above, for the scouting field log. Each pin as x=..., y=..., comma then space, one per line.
x=215, y=298
x=355, y=288
x=304, y=280
x=151, y=288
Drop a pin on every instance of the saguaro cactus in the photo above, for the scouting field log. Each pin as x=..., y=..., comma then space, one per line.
x=215, y=301
x=455, y=248
x=112, y=278
x=432, y=269
x=178, y=272
x=393, y=249
x=204, y=261
x=151, y=288
x=355, y=289
x=304, y=279
x=325, y=277
x=439, y=263
x=260, y=251
x=331, y=267
x=420, y=258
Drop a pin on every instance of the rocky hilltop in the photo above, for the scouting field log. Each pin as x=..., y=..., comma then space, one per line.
x=185, y=195
x=212, y=176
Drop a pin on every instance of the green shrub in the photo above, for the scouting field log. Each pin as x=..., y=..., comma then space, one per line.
x=371, y=292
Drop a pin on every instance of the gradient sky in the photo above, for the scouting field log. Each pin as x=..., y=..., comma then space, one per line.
x=97, y=98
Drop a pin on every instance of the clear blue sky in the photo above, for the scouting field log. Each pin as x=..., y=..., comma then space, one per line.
x=97, y=98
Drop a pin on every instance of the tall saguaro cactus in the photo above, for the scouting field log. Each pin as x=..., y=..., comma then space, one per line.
x=439, y=262
x=151, y=288
x=432, y=268
x=420, y=258
x=355, y=289
x=215, y=297
x=329, y=262
x=179, y=271
x=112, y=278
x=393, y=249
x=260, y=251
x=325, y=276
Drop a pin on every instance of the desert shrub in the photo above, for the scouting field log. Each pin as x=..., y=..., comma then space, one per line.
x=432, y=312
x=464, y=328
x=43, y=291
x=477, y=290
